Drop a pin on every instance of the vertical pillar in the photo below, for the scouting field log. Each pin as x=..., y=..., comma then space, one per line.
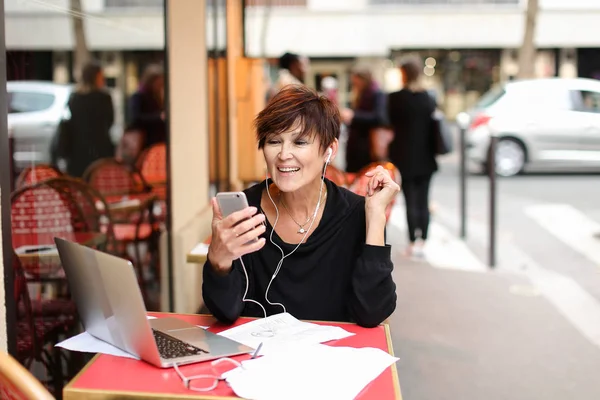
x=186, y=96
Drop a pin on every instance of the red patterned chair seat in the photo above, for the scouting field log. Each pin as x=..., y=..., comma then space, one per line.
x=126, y=232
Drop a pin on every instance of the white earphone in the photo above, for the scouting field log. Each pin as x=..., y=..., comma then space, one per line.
x=283, y=255
x=329, y=153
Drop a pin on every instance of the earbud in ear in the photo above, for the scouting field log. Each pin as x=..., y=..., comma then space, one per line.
x=329, y=153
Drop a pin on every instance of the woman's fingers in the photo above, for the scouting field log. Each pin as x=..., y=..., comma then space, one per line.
x=375, y=182
x=247, y=225
x=248, y=238
x=238, y=216
x=374, y=170
x=253, y=246
x=217, y=216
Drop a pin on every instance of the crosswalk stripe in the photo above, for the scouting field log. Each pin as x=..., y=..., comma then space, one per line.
x=570, y=226
x=579, y=307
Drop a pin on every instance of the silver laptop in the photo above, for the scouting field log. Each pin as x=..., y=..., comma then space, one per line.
x=108, y=298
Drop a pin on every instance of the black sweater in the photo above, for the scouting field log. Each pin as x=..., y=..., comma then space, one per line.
x=334, y=276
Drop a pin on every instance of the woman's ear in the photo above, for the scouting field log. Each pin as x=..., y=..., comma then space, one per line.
x=333, y=148
x=329, y=154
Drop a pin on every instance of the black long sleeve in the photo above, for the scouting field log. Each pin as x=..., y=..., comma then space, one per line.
x=223, y=293
x=334, y=276
x=374, y=294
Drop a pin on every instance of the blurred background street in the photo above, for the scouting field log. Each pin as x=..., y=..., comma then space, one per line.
x=527, y=329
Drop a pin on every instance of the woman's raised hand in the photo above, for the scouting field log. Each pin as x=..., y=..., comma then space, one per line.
x=381, y=190
x=234, y=236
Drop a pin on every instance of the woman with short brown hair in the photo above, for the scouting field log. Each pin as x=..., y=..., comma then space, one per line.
x=320, y=252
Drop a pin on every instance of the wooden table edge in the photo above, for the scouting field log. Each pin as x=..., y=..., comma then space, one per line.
x=395, y=378
x=196, y=258
x=99, y=394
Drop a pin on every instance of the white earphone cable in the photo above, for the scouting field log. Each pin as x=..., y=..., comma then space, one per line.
x=283, y=255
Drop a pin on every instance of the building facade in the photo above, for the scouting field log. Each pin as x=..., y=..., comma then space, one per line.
x=473, y=43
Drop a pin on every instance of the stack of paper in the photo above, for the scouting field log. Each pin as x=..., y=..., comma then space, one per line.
x=309, y=372
x=280, y=331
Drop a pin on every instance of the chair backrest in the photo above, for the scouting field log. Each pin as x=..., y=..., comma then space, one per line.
x=113, y=178
x=18, y=383
x=91, y=203
x=153, y=167
x=35, y=174
x=336, y=176
x=153, y=164
x=42, y=209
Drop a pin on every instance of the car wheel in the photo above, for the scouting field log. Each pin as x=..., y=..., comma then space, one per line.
x=510, y=157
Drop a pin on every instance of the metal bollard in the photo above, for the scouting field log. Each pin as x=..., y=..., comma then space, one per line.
x=463, y=185
x=492, y=176
x=463, y=120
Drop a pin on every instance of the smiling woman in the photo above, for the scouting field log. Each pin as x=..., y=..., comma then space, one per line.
x=321, y=253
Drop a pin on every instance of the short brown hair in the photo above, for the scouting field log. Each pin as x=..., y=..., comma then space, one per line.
x=298, y=105
x=411, y=68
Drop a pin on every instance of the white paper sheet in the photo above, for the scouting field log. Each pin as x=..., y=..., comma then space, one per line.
x=86, y=343
x=309, y=372
x=279, y=331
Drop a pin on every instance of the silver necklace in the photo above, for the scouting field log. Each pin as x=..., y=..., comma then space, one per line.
x=301, y=231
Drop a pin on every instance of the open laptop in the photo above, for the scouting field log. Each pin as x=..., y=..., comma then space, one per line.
x=108, y=298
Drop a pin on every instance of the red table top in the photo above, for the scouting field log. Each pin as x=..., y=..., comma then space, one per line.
x=47, y=239
x=106, y=376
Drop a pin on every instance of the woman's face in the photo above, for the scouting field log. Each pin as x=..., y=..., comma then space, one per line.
x=293, y=162
x=358, y=83
x=403, y=76
x=100, y=80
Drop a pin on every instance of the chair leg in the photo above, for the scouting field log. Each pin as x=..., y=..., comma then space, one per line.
x=55, y=366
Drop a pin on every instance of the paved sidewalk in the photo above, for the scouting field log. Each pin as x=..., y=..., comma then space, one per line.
x=484, y=335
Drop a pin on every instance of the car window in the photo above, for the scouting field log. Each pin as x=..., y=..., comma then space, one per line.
x=490, y=97
x=538, y=97
x=21, y=102
x=588, y=101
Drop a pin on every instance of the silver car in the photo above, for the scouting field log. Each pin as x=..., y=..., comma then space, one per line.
x=34, y=111
x=543, y=125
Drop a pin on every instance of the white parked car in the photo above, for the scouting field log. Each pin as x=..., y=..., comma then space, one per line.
x=34, y=110
x=544, y=125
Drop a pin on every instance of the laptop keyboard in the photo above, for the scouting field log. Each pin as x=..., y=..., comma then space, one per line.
x=169, y=347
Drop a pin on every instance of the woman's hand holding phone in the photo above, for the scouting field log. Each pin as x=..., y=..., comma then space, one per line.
x=234, y=235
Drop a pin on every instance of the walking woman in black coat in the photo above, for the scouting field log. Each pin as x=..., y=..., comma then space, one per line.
x=412, y=150
x=146, y=106
x=367, y=113
x=92, y=115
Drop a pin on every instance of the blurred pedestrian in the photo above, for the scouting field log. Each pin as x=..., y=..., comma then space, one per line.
x=146, y=107
x=410, y=113
x=292, y=71
x=85, y=136
x=368, y=111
